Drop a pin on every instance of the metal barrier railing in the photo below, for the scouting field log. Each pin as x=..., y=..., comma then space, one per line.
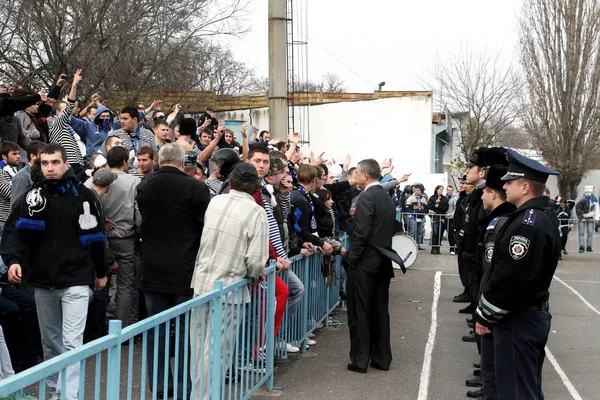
x=431, y=230
x=436, y=230
x=229, y=349
x=322, y=286
x=228, y=353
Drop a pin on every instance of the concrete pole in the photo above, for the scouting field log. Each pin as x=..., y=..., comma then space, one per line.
x=277, y=102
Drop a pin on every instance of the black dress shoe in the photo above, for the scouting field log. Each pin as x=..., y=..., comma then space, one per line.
x=462, y=298
x=475, y=394
x=470, y=325
x=379, y=367
x=474, y=382
x=468, y=338
x=476, y=372
x=476, y=365
x=467, y=310
x=354, y=368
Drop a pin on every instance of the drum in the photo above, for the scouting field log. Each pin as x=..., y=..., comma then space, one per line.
x=407, y=249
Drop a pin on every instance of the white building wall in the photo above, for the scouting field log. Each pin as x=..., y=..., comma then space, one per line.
x=398, y=128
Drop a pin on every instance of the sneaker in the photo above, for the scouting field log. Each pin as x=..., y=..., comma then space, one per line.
x=452, y=253
x=291, y=348
x=565, y=252
x=310, y=342
x=581, y=249
x=311, y=335
x=589, y=250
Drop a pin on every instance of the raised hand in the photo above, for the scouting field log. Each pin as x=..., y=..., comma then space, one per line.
x=77, y=77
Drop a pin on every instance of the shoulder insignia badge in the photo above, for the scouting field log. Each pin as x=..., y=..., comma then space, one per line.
x=529, y=217
x=518, y=247
x=492, y=224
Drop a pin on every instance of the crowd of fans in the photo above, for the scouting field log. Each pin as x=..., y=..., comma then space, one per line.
x=143, y=179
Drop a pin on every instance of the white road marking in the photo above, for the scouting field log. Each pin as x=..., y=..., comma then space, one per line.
x=587, y=303
x=567, y=280
x=425, y=372
x=572, y=391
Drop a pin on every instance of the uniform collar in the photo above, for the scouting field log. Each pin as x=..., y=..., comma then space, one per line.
x=371, y=185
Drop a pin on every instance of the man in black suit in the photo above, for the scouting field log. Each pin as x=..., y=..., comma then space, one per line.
x=368, y=266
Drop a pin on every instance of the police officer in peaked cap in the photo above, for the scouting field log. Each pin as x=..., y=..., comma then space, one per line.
x=513, y=305
x=494, y=203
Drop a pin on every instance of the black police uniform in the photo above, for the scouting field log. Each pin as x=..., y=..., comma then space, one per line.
x=494, y=222
x=514, y=298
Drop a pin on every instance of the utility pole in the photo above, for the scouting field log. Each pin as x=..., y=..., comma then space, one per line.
x=277, y=96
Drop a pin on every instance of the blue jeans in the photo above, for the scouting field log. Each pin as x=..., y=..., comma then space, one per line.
x=62, y=314
x=416, y=229
x=296, y=288
x=586, y=228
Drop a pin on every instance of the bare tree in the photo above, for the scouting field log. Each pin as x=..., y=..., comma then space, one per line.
x=121, y=45
x=561, y=58
x=483, y=91
x=331, y=83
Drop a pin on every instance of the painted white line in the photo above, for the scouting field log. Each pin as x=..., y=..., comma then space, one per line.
x=425, y=372
x=587, y=303
x=567, y=280
x=572, y=391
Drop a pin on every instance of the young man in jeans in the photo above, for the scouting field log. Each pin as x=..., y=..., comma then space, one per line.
x=55, y=233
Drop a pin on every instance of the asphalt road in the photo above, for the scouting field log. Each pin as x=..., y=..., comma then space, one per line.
x=321, y=373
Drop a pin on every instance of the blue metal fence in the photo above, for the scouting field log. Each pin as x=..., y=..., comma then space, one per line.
x=222, y=343
x=214, y=346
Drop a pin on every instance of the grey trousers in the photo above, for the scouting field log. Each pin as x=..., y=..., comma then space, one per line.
x=127, y=293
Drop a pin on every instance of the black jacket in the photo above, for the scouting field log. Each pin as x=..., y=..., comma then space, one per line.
x=439, y=208
x=374, y=227
x=172, y=205
x=302, y=218
x=526, y=251
x=54, y=258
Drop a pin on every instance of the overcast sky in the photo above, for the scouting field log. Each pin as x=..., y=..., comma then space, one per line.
x=396, y=41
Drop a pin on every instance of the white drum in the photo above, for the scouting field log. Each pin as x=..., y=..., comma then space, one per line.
x=406, y=248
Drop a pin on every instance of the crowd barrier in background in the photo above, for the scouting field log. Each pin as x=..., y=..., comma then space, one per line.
x=433, y=230
x=230, y=346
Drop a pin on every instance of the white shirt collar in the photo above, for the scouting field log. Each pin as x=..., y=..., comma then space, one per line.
x=371, y=184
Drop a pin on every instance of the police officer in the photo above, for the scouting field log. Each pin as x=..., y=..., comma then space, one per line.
x=514, y=303
x=459, y=220
x=494, y=203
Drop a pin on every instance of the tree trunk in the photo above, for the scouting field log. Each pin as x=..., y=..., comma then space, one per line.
x=567, y=188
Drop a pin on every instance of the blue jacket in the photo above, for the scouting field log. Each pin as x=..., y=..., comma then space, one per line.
x=93, y=133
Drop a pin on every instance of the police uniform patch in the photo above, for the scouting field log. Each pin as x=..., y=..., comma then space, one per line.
x=492, y=224
x=489, y=251
x=529, y=217
x=518, y=247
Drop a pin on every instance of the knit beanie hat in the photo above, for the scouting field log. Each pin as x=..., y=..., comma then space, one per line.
x=588, y=189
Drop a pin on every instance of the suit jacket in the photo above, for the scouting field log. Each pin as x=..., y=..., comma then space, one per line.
x=374, y=226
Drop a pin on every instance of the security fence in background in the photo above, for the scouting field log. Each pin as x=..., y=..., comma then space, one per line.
x=214, y=346
x=435, y=231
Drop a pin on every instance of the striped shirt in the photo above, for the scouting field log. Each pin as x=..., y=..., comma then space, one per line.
x=25, y=121
x=61, y=134
x=146, y=139
x=5, y=192
x=234, y=244
x=274, y=234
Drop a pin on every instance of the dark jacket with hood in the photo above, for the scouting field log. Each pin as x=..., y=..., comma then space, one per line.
x=54, y=258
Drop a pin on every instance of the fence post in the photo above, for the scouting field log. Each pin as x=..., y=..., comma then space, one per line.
x=270, y=325
x=306, y=280
x=113, y=363
x=217, y=345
